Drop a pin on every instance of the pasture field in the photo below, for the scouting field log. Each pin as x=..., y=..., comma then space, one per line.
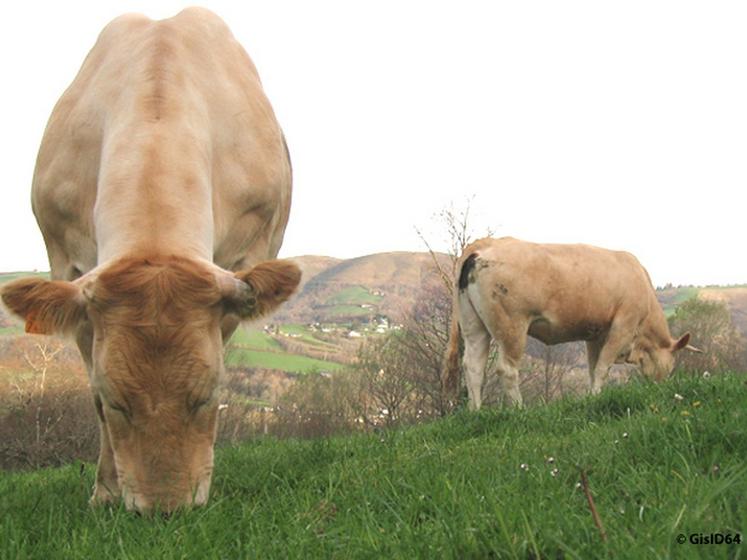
x=303, y=334
x=662, y=461
x=254, y=339
x=294, y=363
x=354, y=295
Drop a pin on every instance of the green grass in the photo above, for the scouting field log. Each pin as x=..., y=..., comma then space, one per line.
x=450, y=489
x=355, y=295
x=11, y=330
x=277, y=360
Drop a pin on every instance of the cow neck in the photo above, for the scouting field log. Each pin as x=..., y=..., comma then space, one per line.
x=154, y=194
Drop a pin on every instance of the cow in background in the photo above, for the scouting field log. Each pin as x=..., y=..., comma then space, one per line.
x=510, y=289
x=162, y=187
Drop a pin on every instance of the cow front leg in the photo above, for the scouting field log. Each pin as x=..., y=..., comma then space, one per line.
x=606, y=355
x=593, y=349
x=106, y=489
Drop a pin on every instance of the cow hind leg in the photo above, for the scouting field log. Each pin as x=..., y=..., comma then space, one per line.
x=476, y=348
x=510, y=350
x=510, y=336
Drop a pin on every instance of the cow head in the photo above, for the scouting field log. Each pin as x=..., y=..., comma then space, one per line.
x=150, y=332
x=656, y=360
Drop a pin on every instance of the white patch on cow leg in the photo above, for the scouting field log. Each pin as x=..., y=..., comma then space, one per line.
x=476, y=347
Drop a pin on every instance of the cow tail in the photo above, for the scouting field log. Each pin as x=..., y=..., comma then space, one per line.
x=451, y=371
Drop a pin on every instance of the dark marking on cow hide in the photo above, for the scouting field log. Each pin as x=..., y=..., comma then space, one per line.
x=499, y=290
x=464, y=275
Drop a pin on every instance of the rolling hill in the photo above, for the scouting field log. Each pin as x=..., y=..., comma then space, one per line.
x=356, y=289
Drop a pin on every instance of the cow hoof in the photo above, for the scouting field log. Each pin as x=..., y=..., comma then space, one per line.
x=103, y=496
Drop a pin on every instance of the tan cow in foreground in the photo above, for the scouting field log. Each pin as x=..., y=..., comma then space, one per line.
x=162, y=169
x=509, y=289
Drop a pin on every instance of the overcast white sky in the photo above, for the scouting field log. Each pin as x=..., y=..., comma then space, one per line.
x=620, y=124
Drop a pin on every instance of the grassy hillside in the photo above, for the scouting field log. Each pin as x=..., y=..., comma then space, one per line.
x=662, y=461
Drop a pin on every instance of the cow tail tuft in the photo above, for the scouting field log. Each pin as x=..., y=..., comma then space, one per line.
x=451, y=371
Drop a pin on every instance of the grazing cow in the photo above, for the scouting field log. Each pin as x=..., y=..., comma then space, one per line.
x=162, y=184
x=509, y=289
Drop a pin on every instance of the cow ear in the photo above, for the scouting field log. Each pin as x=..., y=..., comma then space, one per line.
x=262, y=289
x=47, y=306
x=683, y=342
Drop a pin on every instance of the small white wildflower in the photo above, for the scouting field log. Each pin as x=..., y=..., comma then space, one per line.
x=617, y=441
x=524, y=467
x=222, y=407
x=706, y=374
x=578, y=486
x=625, y=435
x=550, y=460
x=678, y=397
x=554, y=472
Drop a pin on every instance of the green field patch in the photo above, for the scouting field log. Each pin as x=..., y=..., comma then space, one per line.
x=302, y=333
x=251, y=338
x=12, y=330
x=355, y=295
x=10, y=276
x=679, y=296
x=277, y=360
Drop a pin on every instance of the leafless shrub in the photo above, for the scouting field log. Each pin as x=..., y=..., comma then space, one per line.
x=46, y=413
x=713, y=331
x=317, y=405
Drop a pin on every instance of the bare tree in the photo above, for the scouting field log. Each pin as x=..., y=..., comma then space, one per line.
x=459, y=234
x=423, y=342
x=386, y=377
x=430, y=336
x=40, y=365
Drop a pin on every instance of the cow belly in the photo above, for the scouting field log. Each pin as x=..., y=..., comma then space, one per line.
x=551, y=332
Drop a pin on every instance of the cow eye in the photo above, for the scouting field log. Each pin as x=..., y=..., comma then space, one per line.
x=121, y=409
x=198, y=404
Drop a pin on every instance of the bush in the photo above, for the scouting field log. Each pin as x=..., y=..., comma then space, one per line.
x=713, y=331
